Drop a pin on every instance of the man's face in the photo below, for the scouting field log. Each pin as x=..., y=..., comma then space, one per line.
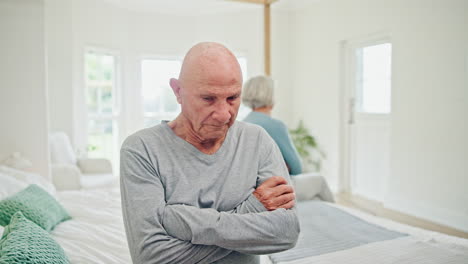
x=210, y=105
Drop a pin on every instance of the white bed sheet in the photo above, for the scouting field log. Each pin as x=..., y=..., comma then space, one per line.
x=421, y=246
x=95, y=234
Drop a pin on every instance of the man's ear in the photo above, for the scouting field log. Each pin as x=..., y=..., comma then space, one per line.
x=174, y=83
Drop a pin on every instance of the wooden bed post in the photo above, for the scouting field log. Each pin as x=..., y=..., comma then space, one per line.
x=267, y=40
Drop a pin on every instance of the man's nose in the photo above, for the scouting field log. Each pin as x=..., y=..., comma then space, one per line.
x=221, y=113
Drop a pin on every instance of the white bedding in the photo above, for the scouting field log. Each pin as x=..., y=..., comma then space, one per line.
x=421, y=246
x=96, y=235
x=96, y=232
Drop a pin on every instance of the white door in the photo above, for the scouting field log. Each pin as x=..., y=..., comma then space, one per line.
x=367, y=119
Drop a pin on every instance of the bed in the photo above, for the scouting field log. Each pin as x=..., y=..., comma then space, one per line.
x=364, y=238
x=95, y=234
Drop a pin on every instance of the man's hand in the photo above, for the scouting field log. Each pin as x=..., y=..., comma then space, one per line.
x=274, y=193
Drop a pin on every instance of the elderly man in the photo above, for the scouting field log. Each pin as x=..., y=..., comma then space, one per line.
x=204, y=188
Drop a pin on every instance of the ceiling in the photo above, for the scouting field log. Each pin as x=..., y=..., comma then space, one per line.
x=200, y=7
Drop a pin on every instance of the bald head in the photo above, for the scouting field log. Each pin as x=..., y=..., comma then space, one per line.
x=210, y=62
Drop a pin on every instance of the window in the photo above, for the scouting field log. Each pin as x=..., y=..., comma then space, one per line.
x=101, y=104
x=243, y=110
x=373, y=80
x=159, y=102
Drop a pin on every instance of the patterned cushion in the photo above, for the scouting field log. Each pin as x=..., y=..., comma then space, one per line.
x=37, y=205
x=24, y=242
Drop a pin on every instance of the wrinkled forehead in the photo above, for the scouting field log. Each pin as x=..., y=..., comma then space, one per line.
x=213, y=87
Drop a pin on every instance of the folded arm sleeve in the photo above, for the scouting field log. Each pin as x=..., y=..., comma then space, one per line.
x=251, y=233
x=142, y=201
x=257, y=232
x=250, y=205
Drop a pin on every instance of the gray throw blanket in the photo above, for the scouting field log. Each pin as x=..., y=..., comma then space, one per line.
x=326, y=229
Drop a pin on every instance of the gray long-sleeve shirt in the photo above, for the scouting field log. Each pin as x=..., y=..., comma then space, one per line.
x=183, y=206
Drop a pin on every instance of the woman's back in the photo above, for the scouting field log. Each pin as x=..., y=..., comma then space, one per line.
x=280, y=134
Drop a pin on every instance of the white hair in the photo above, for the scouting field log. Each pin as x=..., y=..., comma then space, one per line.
x=258, y=92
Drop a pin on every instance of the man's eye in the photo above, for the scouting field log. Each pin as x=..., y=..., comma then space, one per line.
x=208, y=99
x=234, y=97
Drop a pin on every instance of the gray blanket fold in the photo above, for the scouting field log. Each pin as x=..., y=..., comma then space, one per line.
x=326, y=229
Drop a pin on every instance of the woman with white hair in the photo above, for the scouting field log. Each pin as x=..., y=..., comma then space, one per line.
x=258, y=95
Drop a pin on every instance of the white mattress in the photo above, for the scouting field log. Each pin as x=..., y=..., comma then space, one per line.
x=96, y=232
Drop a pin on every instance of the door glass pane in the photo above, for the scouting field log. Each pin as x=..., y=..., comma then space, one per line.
x=373, y=80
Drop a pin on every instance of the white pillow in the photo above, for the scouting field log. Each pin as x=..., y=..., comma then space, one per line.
x=29, y=178
x=308, y=186
x=61, y=150
x=9, y=186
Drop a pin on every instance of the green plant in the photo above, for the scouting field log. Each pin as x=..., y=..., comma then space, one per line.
x=307, y=147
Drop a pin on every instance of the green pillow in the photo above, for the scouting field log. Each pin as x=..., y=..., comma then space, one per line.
x=36, y=204
x=24, y=242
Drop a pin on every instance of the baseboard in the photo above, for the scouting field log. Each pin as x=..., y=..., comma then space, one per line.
x=378, y=209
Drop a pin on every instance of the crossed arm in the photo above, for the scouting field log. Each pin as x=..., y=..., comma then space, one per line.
x=251, y=233
x=160, y=233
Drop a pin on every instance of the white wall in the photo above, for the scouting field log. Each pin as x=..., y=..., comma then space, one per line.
x=429, y=147
x=58, y=22
x=91, y=23
x=281, y=65
x=23, y=94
